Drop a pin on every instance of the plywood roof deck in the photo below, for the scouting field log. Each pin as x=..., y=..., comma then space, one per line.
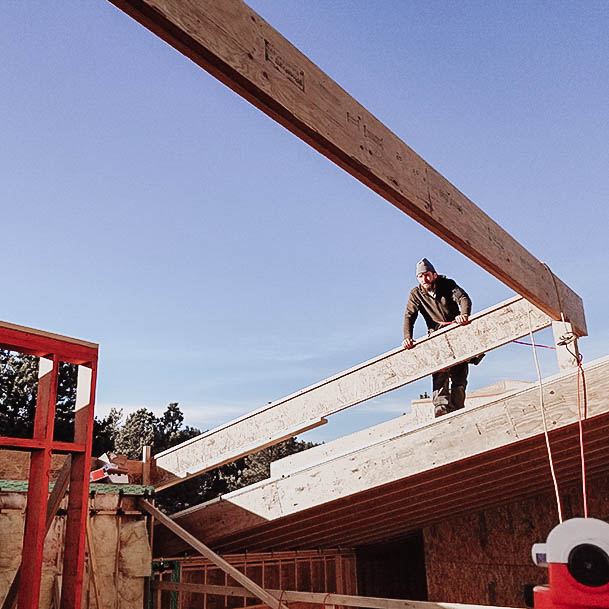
x=469, y=460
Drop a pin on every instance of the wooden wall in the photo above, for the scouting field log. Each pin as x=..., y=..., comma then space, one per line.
x=485, y=557
x=308, y=571
x=393, y=569
x=117, y=563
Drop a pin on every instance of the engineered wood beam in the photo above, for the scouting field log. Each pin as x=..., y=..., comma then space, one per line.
x=449, y=442
x=317, y=598
x=234, y=44
x=488, y=330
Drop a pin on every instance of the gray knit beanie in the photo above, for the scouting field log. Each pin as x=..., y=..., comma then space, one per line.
x=423, y=266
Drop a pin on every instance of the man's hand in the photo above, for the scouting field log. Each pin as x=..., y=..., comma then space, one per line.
x=408, y=343
x=462, y=320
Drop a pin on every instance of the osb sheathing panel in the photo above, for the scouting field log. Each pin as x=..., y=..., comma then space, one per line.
x=120, y=567
x=485, y=557
x=15, y=464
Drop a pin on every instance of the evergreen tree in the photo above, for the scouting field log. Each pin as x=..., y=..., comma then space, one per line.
x=257, y=467
x=139, y=430
x=105, y=432
x=18, y=391
x=18, y=387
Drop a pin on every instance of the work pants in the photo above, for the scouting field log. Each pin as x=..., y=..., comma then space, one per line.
x=449, y=389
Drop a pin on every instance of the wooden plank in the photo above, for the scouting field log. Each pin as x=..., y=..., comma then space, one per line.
x=43, y=344
x=474, y=450
x=37, y=497
x=200, y=547
x=318, y=598
x=55, y=498
x=223, y=447
x=488, y=330
x=50, y=335
x=234, y=44
x=392, y=510
x=146, y=457
x=451, y=438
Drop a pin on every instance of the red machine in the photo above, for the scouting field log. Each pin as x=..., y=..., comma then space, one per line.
x=577, y=557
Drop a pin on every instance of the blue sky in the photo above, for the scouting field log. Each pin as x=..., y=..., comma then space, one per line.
x=222, y=263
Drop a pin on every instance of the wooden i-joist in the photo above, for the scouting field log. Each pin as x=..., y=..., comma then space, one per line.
x=275, y=599
x=308, y=408
x=384, y=486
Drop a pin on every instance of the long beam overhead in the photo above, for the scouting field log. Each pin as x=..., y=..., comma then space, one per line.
x=307, y=408
x=467, y=460
x=234, y=44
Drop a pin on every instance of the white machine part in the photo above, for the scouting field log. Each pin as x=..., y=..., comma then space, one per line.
x=568, y=535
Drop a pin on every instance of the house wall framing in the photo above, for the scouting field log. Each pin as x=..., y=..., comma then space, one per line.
x=52, y=349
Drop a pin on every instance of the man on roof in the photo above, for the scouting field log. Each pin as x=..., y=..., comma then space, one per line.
x=441, y=302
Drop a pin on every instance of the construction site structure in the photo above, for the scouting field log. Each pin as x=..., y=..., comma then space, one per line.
x=438, y=509
x=53, y=349
x=389, y=508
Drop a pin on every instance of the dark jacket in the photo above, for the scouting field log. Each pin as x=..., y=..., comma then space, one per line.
x=450, y=300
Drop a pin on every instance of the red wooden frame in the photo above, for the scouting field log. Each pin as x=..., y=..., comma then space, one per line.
x=54, y=349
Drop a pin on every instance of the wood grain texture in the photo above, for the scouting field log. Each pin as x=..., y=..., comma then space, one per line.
x=498, y=541
x=470, y=460
x=318, y=598
x=567, y=355
x=234, y=44
x=488, y=330
x=308, y=571
x=450, y=439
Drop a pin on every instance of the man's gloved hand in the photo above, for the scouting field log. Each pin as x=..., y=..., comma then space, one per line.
x=462, y=320
x=408, y=343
